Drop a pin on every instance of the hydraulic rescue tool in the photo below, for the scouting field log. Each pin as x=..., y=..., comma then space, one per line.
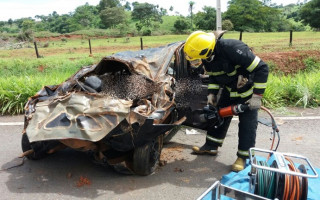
x=211, y=116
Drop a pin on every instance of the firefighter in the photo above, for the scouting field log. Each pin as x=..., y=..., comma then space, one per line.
x=232, y=66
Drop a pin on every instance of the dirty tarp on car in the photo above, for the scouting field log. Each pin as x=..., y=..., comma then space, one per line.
x=64, y=111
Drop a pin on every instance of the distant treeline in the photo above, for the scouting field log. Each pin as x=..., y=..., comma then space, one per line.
x=148, y=19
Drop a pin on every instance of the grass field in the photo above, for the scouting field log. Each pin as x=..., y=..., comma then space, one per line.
x=22, y=74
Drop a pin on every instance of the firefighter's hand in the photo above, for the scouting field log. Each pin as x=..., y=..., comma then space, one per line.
x=255, y=102
x=211, y=99
x=241, y=81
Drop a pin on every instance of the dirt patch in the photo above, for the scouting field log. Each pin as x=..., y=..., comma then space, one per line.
x=171, y=154
x=83, y=181
x=288, y=62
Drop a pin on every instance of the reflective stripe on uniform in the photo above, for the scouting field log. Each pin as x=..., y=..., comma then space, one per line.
x=260, y=85
x=220, y=141
x=232, y=73
x=242, y=95
x=213, y=86
x=215, y=73
x=254, y=64
x=243, y=153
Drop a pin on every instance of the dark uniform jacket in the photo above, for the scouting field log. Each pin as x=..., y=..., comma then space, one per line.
x=231, y=59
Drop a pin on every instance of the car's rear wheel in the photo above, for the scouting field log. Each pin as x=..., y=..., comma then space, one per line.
x=146, y=158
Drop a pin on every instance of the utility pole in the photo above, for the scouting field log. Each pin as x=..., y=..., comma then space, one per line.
x=219, y=27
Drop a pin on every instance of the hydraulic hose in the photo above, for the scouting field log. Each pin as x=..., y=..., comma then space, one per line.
x=272, y=185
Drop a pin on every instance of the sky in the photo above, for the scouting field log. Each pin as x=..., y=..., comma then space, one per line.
x=16, y=9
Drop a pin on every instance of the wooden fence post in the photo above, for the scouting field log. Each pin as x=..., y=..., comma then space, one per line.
x=90, y=47
x=240, y=38
x=36, y=48
x=290, y=42
x=141, y=43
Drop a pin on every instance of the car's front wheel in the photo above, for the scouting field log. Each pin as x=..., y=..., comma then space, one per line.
x=146, y=158
x=39, y=148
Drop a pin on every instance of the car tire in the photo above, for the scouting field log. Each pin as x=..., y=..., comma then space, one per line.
x=40, y=148
x=146, y=158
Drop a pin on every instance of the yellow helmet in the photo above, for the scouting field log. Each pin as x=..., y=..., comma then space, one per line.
x=199, y=45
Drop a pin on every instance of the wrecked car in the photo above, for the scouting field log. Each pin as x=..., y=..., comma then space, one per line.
x=120, y=111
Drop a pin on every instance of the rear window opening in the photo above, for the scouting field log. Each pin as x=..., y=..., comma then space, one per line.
x=127, y=86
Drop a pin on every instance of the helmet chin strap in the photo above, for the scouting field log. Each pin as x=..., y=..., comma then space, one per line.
x=209, y=59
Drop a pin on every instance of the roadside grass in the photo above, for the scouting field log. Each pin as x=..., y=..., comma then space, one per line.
x=21, y=79
x=15, y=91
x=22, y=74
x=301, y=89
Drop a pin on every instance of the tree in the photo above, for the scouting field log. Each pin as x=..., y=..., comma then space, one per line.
x=266, y=2
x=146, y=13
x=103, y=4
x=85, y=17
x=127, y=6
x=62, y=24
x=310, y=14
x=251, y=15
x=163, y=12
x=191, y=4
x=20, y=21
x=181, y=25
x=10, y=22
x=27, y=24
x=227, y=25
x=206, y=20
x=112, y=16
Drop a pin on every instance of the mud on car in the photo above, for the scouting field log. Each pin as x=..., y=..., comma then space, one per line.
x=120, y=111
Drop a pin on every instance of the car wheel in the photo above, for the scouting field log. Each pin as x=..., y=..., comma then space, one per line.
x=40, y=148
x=146, y=157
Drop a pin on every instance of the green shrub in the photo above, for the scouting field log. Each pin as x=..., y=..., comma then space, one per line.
x=25, y=36
x=146, y=32
x=312, y=64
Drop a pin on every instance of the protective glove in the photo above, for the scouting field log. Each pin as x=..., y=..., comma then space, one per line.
x=211, y=99
x=254, y=102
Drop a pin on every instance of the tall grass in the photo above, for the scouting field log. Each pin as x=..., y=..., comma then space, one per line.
x=15, y=91
x=20, y=80
x=302, y=89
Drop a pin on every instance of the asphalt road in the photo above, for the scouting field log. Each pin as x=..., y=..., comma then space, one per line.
x=184, y=176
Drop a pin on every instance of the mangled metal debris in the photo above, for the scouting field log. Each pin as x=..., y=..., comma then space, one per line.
x=119, y=110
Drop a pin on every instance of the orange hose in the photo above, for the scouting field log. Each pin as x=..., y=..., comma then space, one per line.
x=294, y=182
